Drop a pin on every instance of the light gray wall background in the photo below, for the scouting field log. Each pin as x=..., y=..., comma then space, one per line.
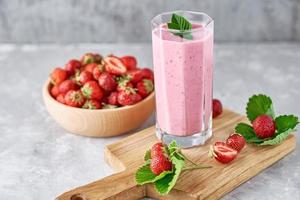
x=74, y=21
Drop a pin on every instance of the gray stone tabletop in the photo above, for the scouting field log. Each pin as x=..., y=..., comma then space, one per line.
x=40, y=160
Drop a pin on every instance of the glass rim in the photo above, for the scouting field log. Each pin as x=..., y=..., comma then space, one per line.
x=154, y=24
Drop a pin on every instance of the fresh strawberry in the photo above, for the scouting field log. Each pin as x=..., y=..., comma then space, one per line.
x=74, y=98
x=236, y=141
x=72, y=66
x=147, y=73
x=107, y=81
x=217, y=108
x=113, y=98
x=157, y=149
x=54, y=91
x=264, y=126
x=122, y=87
x=135, y=75
x=92, y=104
x=223, y=153
x=114, y=65
x=91, y=58
x=61, y=98
x=130, y=62
x=58, y=75
x=98, y=71
x=84, y=77
x=91, y=90
x=145, y=87
x=66, y=86
x=160, y=164
x=128, y=97
x=90, y=67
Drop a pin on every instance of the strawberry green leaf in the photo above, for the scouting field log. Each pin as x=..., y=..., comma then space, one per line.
x=147, y=155
x=258, y=105
x=247, y=132
x=285, y=122
x=145, y=175
x=164, y=185
x=279, y=138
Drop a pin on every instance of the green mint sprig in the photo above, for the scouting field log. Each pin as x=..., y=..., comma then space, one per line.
x=165, y=181
x=261, y=104
x=182, y=24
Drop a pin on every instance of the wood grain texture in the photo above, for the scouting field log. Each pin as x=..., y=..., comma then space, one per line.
x=209, y=184
x=99, y=123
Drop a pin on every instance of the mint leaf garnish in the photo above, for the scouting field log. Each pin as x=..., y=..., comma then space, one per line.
x=166, y=180
x=285, y=122
x=164, y=185
x=258, y=105
x=180, y=23
x=145, y=175
x=147, y=155
x=279, y=138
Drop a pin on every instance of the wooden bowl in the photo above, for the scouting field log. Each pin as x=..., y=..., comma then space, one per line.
x=99, y=123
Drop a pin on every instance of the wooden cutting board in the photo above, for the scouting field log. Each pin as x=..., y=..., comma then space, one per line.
x=126, y=155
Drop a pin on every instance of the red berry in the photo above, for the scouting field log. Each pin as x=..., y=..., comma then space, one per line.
x=91, y=90
x=147, y=73
x=264, y=126
x=61, y=98
x=90, y=67
x=122, y=87
x=66, y=86
x=157, y=149
x=58, y=75
x=107, y=81
x=113, y=98
x=114, y=65
x=217, y=107
x=160, y=164
x=135, y=75
x=145, y=87
x=72, y=66
x=224, y=153
x=130, y=62
x=91, y=58
x=54, y=91
x=236, y=141
x=92, y=104
x=128, y=97
x=74, y=98
x=84, y=77
x=98, y=71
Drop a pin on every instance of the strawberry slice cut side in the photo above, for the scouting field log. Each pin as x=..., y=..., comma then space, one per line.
x=114, y=65
x=224, y=153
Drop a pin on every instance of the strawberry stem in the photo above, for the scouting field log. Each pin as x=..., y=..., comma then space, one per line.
x=186, y=158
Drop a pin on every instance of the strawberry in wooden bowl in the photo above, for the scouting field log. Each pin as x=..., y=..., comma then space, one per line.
x=100, y=96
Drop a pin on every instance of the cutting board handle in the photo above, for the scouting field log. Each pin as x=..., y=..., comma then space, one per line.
x=117, y=186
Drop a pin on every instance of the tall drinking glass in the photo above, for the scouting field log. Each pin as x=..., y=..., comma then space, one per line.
x=183, y=68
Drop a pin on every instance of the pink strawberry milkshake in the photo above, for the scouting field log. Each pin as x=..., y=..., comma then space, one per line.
x=183, y=80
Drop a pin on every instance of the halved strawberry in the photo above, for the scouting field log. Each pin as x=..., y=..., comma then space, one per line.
x=223, y=153
x=114, y=65
x=130, y=62
x=236, y=141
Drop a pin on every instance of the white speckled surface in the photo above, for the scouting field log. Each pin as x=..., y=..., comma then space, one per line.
x=39, y=160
